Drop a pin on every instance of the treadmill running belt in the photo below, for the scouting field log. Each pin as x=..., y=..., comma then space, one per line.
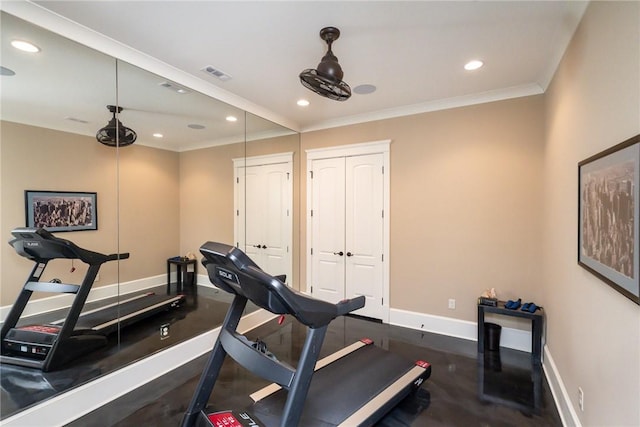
x=106, y=320
x=340, y=388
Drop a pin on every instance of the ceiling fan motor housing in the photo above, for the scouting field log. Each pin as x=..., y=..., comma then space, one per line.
x=330, y=68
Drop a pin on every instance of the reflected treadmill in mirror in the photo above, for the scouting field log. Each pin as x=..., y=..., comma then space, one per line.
x=51, y=346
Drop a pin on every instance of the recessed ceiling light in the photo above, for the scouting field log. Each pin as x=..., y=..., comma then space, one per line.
x=473, y=65
x=25, y=46
x=4, y=71
x=232, y=119
x=302, y=102
x=364, y=89
x=158, y=135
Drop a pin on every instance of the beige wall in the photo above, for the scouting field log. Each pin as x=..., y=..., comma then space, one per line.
x=206, y=191
x=593, y=103
x=465, y=202
x=206, y=196
x=149, y=212
x=42, y=159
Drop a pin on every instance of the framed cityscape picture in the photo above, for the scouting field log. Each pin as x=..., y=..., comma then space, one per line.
x=608, y=239
x=61, y=210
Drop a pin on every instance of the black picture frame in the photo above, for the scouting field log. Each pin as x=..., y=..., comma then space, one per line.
x=60, y=211
x=608, y=199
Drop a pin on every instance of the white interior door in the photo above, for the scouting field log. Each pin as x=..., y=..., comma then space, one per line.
x=348, y=230
x=348, y=198
x=327, y=211
x=263, y=202
x=364, y=213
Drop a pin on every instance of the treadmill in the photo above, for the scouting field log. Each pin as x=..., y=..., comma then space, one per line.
x=50, y=346
x=355, y=386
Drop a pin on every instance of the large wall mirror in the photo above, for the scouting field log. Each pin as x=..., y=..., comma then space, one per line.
x=268, y=223
x=180, y=184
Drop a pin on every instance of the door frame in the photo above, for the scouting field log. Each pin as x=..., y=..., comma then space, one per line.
x=374, y=147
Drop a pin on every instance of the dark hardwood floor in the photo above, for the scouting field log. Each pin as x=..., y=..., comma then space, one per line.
x=498, y=389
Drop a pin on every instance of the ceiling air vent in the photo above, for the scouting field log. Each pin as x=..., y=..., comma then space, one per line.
x=216, y=73
x=75, y=119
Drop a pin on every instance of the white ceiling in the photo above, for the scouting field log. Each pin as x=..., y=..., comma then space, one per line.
x=413, y=52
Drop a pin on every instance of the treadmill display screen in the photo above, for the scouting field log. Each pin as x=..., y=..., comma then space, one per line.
x=45, y=329
x=232, y=419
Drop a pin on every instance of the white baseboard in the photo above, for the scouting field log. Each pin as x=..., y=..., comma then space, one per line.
x=203, y=280
x=57, y=302
x=516, y=339
x=101, y=391
x=511, y=338
x=67, y=407
x=568, y=414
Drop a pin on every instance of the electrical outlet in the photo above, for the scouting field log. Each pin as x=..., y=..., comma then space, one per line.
x=164, y=331
x=452, y=304
x=581, y=398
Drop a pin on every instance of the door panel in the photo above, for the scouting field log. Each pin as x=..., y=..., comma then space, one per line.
x=327, y=266
x=275, y=228
x=364, y=197
x=253, y=214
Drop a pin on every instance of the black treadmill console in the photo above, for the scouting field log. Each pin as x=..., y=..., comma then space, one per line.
x=233, y=271
x=39, y=245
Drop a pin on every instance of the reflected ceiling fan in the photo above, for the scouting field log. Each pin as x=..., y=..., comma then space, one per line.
x=115, y=133
x=327, y=79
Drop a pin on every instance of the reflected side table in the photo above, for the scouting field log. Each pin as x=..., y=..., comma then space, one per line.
x=182, y=268
x=537, y=325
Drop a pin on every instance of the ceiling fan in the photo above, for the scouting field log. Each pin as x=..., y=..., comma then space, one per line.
x=326, y=80
x=115, y=133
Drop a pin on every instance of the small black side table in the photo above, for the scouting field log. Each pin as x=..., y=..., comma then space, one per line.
x=537, y=325
x=182, y=267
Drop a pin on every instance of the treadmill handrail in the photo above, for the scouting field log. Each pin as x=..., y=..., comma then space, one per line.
x=39, y=245
x=232, y=270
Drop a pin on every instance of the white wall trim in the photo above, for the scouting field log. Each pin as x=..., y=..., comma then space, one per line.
x=57, y=302
x=267, y=159
x=516, y=339
x=64, y=408
x=373, y=147
x=568, y=414
x=429, y=106
x=100, y=392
